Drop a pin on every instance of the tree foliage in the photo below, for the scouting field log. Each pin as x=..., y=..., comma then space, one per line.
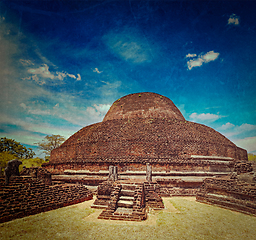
x=251, y=157
x=50, y=142
x=33, y=162
x=10, y=146
x=4, y=159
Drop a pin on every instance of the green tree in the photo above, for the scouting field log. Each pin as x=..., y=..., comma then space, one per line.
x=32, y=162
x=251, y=157
x=49, y=143
x=10, y=146
x=4, y=159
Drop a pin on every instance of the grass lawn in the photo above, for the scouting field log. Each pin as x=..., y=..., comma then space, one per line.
x=183, y=218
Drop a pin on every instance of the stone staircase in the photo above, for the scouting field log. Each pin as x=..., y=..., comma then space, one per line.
x=126, y=198
x=127, y=203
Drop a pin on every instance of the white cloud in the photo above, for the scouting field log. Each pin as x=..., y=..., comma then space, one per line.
x=191, y=55
x=71, y=76
x=210, y=56
x=248, y=143
x=129, y=45
x=103, y=108
x=209, y=117
x=241, y=135
x=226, y=126
x=42, y=71
x=28, y=110
x=23, y=105
x=233, y=19
x=198, y=61
x=246, y=127
x=64, y=106
x=32, y=131
x=26, y=62
x=78, y=77
x=39, y=112
x=195, y=63
x=40, y=74
x=231, y=130
x=97, y=70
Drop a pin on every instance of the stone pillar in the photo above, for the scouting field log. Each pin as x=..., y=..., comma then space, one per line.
x=115, y=173
x=149, y=173
x=111, y=175
x=12, y=169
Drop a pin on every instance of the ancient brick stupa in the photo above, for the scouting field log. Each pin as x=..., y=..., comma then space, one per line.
x=148, y=128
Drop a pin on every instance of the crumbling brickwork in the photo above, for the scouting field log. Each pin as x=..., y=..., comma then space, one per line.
x=237, y=191
x=178, y=187
x=38, y=172
x=229, y=193
x=104, y=192
x=243, y=167
x=27, y=196
x=152, y=195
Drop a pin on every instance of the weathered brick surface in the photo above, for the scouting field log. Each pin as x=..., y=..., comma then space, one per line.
x=243, y=167
x=178, y=187
x=139, y=129
x=104, y=194
x=27, y=196
x=152, y=195
x=235, y=192
x=141, y=195
x=38, y=172
x=136, y=213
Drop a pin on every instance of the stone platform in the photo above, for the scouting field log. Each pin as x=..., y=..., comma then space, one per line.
x=172, y=182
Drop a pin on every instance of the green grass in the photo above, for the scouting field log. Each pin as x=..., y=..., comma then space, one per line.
x=193, y=220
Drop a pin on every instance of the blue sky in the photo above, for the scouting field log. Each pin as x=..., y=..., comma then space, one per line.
x=63, y=63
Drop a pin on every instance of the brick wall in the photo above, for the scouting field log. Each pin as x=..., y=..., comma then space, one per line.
x=230, y=193
x=152, y=195
x=158, y=164
x=27, y=196
x=178, y=187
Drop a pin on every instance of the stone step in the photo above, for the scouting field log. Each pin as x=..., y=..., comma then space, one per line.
x=127, y=193
x=98, y=206
x=123, y=210
x=124, y=204
x=126, y=198
x=128, y=187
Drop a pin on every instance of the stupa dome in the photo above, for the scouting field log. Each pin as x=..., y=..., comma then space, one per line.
x=144, y=127
x=143, y=105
